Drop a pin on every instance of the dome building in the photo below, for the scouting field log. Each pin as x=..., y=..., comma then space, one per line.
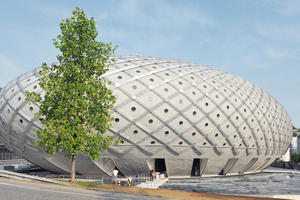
x=176, y=117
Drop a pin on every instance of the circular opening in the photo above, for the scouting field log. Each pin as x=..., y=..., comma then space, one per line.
x=151, y=79
x=119, y=77
x=227, y=126
x=193, y=134
x=194, y=113
x=227, y=107
x=204, y=86
x=179, y=70
x=167, y=132
x=249, y=137
x=122, y=142
x=137, y=71
x=153, y=67
x=166, y=110
x=150, y=121
x=217, y=96
x=241, y=94
x=240, y=145
x=166, y=74
x=206, y=124
x=206, y=104
x=237, y=118
x=150, y=98
x=245, y=110
x=181, y=122
x=134, y=87
x=8, y=111
x=218, y=115
x=35, y=87
x=21, y=120
x=180, y=101
x=252, y=145
x=166, y=89
x=252, y=120
x=117, y=120
x=19, y=99
x=204, y=143
x=12, y=90
x=28, y=80
x=213, y=81
x=257, y=129
x=133, y=109
x=117, y=96
x=244, y=127
x=194, y=93
x=135, y=131
x=180, y=83
x=180, y=143
x=31, y=108
x=225, y=90
x=224, y=144
x=152, y=142
x=192, y=77
x=234, y=136
x=216, y=135
x=261, y=138
x=235, y=100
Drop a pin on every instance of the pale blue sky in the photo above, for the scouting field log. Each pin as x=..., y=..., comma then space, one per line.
x=255, y=39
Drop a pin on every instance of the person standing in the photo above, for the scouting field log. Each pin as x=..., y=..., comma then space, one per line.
x=130, y=181
x=151, y=174
x=115, y=173
x=136, y=180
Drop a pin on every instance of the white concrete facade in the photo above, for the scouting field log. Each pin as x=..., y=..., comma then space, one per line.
x=182, y=117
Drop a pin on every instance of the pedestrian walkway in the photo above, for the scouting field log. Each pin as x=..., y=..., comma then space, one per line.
x=156, y=183
x=14, y=175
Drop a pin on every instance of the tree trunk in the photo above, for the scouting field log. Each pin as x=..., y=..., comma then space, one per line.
x=73, y=169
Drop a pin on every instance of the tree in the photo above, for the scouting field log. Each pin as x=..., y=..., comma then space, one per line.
x=76, y=104
x=295, y=158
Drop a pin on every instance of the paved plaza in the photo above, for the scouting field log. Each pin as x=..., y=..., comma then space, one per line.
x=273, y=182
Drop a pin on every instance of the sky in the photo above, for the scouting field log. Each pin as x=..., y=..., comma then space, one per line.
x=257, y=40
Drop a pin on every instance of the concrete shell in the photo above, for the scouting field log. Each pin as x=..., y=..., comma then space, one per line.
x=173, y=115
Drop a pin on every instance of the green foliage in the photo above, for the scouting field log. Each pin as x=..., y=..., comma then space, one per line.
x=76, y=104
x=295, y=158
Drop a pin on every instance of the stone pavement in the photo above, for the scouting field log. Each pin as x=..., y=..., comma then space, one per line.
x=273, y=182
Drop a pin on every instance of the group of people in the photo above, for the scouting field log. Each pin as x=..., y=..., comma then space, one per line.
x=129, y=181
